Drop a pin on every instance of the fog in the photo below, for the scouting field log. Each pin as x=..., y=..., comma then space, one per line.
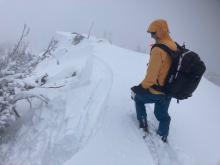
x=124, y=22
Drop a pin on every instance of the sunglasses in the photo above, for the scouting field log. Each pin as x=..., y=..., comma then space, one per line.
x=153, y=33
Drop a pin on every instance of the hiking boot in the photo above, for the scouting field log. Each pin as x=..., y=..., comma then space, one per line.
x=146, y=127
x=143, y=124
x=164, y=139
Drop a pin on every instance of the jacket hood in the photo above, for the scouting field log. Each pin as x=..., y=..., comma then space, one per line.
x=160, y=27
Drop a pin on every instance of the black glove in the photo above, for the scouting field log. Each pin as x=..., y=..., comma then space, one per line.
x=138, y=89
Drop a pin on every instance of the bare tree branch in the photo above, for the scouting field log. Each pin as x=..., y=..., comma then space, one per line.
x=51, y=47
x=90, y=29
x=26, y=95
x=24, y=34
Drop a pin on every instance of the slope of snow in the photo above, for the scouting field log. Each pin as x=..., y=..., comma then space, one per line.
x=90, y=119
x=60, y=129
x=195, y=124
x=194, y=129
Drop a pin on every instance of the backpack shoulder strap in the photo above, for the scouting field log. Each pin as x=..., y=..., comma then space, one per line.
x=164, y=47
x=180, y=47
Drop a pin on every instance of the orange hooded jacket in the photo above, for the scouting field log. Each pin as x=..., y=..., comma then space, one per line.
x=160, y=61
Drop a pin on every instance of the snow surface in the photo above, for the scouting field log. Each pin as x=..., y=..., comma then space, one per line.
x=90, y=119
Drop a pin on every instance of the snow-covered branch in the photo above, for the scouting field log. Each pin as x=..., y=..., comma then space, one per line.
x=16, y=63
x=50, y=49
x=26, y=95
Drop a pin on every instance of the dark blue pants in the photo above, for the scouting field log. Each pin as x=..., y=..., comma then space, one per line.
x=162, y=103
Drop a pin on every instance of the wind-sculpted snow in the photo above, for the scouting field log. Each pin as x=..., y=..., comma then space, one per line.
x=61, y=128
x=81, y=76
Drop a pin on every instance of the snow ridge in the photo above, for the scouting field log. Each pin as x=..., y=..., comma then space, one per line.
x=61, y=128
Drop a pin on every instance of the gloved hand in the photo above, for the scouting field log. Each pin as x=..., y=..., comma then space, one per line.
x=138, y=89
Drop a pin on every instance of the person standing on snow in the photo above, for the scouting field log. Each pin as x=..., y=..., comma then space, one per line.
x=157, y=71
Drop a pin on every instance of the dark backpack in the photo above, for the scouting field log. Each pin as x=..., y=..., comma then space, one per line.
x=185, y=72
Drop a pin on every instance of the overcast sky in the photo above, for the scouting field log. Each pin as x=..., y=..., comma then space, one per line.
x=196, y=22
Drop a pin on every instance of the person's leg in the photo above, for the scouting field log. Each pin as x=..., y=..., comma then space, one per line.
x=140, y=100
x=141, y=114
x=162, y=115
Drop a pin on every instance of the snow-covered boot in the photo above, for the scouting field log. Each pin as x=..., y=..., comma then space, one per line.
x=163, y=137
x=143, y=124
x=146, y=128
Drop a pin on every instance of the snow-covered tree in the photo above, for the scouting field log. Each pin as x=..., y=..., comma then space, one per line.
x=16, y=63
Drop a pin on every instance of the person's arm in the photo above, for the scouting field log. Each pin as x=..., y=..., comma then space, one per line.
x=153, y=69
